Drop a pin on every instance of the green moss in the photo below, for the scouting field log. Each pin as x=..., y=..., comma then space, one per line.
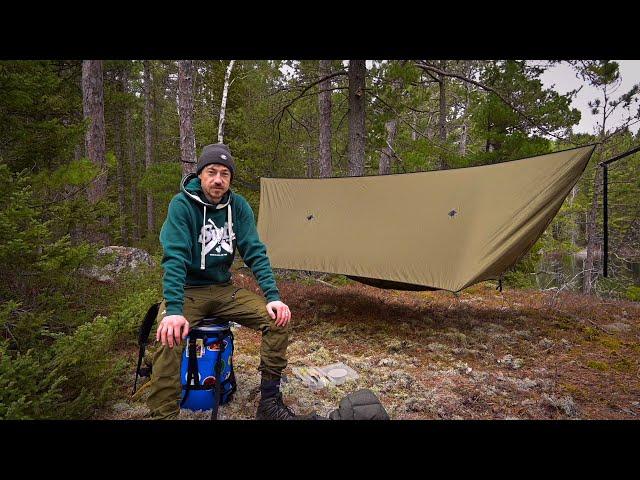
x=574, y=390
x=611, y=342
x=625, y=365
x=603, y=367
x=633, y=293
x=590, y=333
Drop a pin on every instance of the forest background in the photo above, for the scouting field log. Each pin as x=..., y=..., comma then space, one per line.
x=92, y=151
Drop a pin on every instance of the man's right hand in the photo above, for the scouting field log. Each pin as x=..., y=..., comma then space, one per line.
x=171, y=329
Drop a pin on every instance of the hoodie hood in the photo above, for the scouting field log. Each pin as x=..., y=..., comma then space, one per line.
x=192, y=188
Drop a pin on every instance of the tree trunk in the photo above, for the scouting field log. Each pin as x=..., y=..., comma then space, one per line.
x=131, y=160
x=324, y=124
x=185, y=110
x=587, y=283
x=357, y=133
x=464, y=134
x=442, y=119
x=223, y=104
x=93, y=109
x=148, y=142
x=119, y=150
x=391, y=128
x=310, y=159
x=387, y=152
x=414, y=133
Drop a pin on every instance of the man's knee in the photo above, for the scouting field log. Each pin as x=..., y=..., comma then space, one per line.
x=277, y=330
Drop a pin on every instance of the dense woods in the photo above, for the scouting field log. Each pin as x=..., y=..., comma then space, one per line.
x=91, y=151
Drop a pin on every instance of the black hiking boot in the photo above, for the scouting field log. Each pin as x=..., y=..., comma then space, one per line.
x=273, y=408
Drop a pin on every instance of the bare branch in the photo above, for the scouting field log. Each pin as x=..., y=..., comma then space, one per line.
x=407, y=123
x=428, y=68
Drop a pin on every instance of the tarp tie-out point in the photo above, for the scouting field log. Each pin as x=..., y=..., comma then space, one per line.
x=444, y=229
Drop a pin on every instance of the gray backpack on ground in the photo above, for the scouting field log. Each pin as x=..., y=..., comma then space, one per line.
x=360, y=405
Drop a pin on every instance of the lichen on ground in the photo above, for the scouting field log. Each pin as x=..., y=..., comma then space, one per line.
x=428, y=355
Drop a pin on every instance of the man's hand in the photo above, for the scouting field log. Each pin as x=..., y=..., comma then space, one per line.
x=169, y=330
x=283, y=313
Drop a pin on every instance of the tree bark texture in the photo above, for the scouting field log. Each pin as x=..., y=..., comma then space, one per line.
x=464, y=133
x=391, y=127
x=131, y=160
x=324, y=121
x=442, y=119
x=93, y=110
x=223, y=103
x=148, y=141
x=310, y=159
x=357, y=133
x=387, y=155
x=119, y=150
x=185, y=109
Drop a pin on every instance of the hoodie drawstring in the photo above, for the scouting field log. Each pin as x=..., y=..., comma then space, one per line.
x=204, y=223
x=229, y=225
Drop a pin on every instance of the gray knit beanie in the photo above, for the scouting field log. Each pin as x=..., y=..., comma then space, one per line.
x=216, y=153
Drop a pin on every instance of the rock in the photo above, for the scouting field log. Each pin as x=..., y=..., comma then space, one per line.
x=546, y=343
x=97, y=274
x=125, y=258
x=511, y=362
x=463, y=368
x=437, y=347
x=387, y=362
x=413, y=404
x=120, y=407
x=566, y=404
x=479, y=376
x=618, y=327
x=396, y=345
x=525, y=384
x=522, y=333
x=402, y=379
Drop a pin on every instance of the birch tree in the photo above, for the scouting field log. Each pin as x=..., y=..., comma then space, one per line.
x=223, y=103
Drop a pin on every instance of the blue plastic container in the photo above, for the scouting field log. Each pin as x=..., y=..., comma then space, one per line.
x=212, y=342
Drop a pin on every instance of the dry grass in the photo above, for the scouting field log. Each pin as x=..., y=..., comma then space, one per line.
x=428, y=355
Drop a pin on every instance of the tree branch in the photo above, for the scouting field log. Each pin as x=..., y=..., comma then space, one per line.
x=429, y=68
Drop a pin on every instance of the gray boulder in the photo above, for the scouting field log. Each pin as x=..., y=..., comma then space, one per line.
x=123, y=258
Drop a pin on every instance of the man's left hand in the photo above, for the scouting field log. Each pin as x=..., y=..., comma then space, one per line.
x=282, y=314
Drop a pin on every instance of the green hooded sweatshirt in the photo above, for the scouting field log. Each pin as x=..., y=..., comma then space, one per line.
x=198, y=242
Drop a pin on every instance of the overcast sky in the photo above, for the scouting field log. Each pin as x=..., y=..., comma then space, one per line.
x=564, y=79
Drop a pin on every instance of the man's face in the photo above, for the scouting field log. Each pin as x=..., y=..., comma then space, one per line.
x=215, y=180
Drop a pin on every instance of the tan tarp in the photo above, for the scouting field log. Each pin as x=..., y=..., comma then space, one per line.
x=443, y=229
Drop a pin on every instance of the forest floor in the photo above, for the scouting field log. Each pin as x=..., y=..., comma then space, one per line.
x=483, y=354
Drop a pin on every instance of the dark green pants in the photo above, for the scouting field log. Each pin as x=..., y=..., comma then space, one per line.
x=229, y=303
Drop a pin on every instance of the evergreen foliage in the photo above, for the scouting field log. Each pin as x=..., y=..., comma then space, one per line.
x=60, y=332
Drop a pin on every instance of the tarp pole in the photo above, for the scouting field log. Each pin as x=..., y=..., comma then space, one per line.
x=605, y=206
x=605, y=215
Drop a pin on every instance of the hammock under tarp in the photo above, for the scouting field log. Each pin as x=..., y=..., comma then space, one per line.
x=445, y=229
